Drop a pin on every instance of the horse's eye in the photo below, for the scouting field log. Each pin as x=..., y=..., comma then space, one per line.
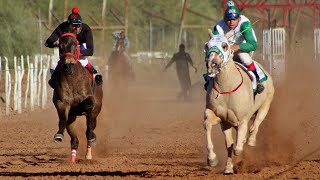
x=224, y=46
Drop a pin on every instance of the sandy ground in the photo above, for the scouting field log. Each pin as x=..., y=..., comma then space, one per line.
x=150, y=134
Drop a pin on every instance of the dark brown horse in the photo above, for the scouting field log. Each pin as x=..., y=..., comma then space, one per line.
x=75, y=94
x=120, y=71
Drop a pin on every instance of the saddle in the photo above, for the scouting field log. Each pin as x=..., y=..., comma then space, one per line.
x=262, y=76
x=87, y=67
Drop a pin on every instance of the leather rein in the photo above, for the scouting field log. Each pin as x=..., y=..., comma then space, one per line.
x=229, y=92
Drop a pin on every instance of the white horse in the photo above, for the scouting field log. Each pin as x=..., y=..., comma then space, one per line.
x=231, y=102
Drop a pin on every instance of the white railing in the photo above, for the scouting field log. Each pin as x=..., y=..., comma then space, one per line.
x=317, y=44
x=274, y=52
x=30, y=89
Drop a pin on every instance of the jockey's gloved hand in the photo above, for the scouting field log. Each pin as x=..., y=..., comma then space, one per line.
x=56, y=44
x=52, y=45
x=98, y=79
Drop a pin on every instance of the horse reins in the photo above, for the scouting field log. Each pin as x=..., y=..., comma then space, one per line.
x=229, y=92
x=75, y=56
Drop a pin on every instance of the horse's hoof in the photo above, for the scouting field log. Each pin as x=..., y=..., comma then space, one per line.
x=252, y=142
x=238, y=152
x=229, y=169
x=213, y=162
x=92, y=142
x=88, y=156
x=58, y=137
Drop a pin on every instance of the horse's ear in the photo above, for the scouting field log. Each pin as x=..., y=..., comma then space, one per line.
x=210, y=33
x=225, y=46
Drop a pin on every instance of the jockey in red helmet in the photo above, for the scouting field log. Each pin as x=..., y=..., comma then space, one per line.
x=85, y=38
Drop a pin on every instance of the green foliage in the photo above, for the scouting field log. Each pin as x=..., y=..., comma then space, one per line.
x=18, y=29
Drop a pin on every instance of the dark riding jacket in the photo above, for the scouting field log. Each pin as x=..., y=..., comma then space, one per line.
x=85, y=36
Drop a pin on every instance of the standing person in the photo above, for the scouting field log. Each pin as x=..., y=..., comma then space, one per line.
x=85, y=38
x=238, y=30
x=182, y=60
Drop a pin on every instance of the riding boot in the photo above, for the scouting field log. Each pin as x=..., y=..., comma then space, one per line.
x=206, y=79
x=252, y=67
x=52, y=80
x=260, y=86
x=97, y=76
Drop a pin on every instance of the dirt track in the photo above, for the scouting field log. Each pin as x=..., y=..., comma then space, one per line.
x=152, y=135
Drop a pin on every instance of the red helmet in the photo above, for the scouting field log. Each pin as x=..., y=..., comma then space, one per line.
x=74, y=17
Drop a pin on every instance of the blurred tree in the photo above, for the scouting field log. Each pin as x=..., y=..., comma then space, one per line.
x=19, y=30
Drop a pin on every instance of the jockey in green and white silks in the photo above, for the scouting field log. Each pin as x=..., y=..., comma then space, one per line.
x=243, y=34
x=238, y=30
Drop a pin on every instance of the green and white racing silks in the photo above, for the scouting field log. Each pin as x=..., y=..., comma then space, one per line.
x=243, y=35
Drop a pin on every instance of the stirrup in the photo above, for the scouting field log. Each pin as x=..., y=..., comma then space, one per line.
x=260, y=88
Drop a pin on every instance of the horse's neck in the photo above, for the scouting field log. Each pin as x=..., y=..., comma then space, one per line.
x=79, y=73
x=229, y=77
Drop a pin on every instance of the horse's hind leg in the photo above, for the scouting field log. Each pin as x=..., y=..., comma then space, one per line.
x=254, y=128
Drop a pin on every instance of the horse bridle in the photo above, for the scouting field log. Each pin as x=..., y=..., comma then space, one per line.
x=218, y=67
x=75, y=56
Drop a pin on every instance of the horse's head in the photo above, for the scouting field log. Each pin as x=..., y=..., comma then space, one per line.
x=69, y=51
x=217, y=54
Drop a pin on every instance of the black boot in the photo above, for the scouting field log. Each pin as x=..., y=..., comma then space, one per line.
x=52, y=80
x=98, y=77
x=260, y=86
x=206, y=79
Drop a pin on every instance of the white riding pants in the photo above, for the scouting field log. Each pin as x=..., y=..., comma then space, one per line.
x=245, y=58
x=83, y=60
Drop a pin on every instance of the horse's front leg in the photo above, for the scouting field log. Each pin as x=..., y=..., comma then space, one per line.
x=227, y=130
x=73, y=135
x=210, y=119
x=63, y=111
